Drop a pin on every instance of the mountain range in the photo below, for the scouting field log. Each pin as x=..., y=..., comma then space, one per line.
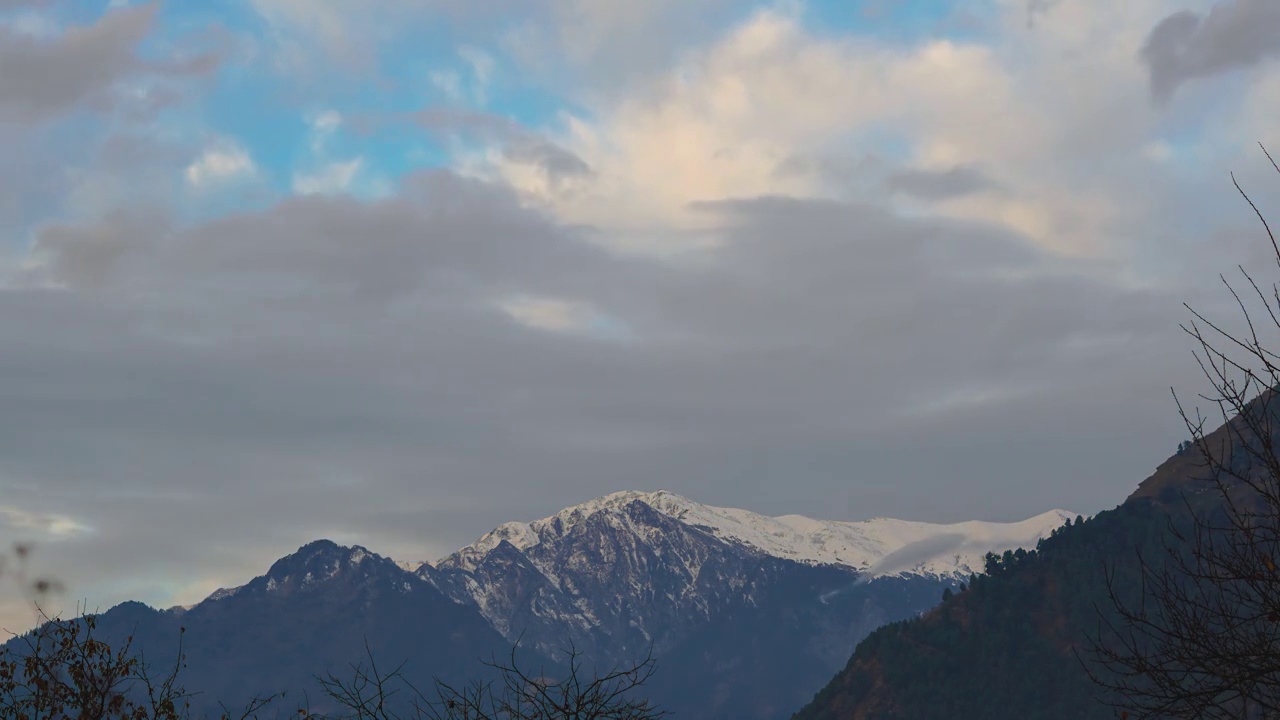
x=747, y=615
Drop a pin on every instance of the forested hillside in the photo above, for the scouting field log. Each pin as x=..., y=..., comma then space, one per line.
x=1011, y=644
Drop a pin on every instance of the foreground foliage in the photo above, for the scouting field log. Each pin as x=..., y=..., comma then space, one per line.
x=63, y=671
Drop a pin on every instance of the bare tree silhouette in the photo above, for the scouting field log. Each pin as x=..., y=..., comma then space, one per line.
x=1202, y=639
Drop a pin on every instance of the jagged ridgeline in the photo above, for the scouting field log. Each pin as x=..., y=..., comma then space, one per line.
x=747, y=615
x=1013, y=644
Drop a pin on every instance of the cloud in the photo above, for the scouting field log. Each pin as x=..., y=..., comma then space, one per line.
x=606, y=47
x=482, y=67
x=452, y=120
x=316, y=39
x=324, y=124
x=600, y=43
x=912, y=554
x=547, y=313
x=854, y=276
x=791, y=314
x=527, y=158
x=939, y=185
x=448, y=82
x=409, y=371
x=85, y=256
x=714, y=128
x=326, y=121
x=1039, y=8
x=46, y=77
x=439, y=226
x=561, y=316
x=731, y=120
x=532, y=163
x=336, y=177
x=1187, y=45
x=903, y=559
x=220, y=162
x=45, y=526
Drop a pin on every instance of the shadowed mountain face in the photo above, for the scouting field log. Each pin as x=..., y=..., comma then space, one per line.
x=738, y=633
x=1008, y=646
x=310, y=614
x=747, y=616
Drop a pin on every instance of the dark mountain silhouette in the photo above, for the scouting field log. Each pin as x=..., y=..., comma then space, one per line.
x=1012, y=644
x=311, y=613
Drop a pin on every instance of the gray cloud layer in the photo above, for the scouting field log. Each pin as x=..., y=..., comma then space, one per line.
x=930, y=185
x=1187, y=45
x=44, y=78
x=327, y=367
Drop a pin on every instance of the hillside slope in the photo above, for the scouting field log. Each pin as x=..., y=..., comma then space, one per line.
x=1009, y=645
x=310, y=614
x=748, y=615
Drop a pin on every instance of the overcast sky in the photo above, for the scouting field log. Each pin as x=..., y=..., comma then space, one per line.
x=392, y=272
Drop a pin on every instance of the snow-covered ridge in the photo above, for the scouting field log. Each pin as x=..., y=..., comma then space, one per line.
x=879, y=547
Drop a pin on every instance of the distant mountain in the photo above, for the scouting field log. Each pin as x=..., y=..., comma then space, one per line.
x=311, y=613
x=748, y=615
x=879, y=547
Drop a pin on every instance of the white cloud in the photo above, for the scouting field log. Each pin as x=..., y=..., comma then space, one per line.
x=325, y=122
x=323, y=127
x=557, y=315
x=722, y=121
x=1039, y=109
x=482, y=67
x=48, y=526
x=448, y=82
x=222, y=161
x=473, y=90
x=334, y=178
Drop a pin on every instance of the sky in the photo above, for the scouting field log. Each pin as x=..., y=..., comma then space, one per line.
x=394, y=272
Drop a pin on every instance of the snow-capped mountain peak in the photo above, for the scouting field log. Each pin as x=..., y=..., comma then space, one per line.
x=878, y=547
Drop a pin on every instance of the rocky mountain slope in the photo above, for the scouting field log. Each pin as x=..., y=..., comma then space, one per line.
x=311, y=613
x=872, y=546
x=756, y=611
x=747, y=615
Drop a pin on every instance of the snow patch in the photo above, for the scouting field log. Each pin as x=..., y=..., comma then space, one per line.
x=878, y=547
